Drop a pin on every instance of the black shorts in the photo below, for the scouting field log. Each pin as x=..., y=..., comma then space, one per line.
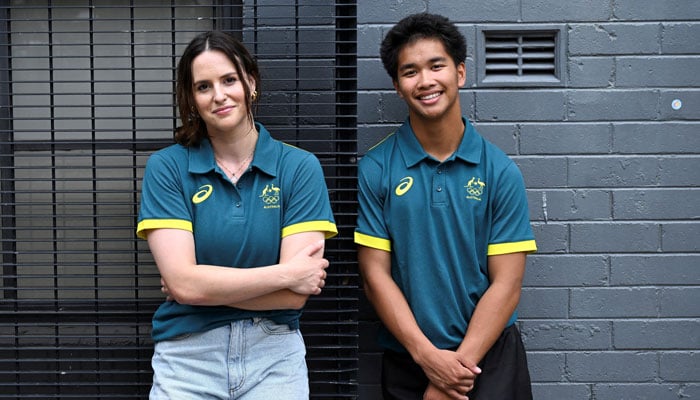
x=504, y=373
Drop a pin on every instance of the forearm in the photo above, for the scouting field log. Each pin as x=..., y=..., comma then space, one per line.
x=301, y=270
x=488, y=321
x=496, y=306
x=279, y=300
x=389, y=302
x=209, y=285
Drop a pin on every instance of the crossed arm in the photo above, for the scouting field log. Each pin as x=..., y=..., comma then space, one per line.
x=286, y=285
x=451, y=373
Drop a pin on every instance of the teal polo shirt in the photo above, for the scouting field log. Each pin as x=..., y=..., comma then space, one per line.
x=441, y=221
x=282, y=193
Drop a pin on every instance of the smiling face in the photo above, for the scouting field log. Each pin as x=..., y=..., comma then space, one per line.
x=429, y=81
x=219, y=94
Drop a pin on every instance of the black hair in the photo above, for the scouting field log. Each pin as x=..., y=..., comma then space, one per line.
x=421, y=26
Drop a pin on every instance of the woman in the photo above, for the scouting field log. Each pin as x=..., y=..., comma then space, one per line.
x=236, y=223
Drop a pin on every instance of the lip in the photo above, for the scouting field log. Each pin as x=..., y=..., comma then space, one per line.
x=223, y=110
x=429, y=98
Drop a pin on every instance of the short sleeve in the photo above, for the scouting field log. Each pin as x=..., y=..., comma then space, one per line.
x=511, y=231
x=163, y=202
x=371, y=230
x=307, y=207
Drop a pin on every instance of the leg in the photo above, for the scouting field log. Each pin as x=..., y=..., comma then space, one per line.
x=191, y=366
x=274, y=362
x=402, y=378
x=504, y=370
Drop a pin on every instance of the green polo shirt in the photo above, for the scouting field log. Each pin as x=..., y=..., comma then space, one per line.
x=440, y=221
x=283, y=192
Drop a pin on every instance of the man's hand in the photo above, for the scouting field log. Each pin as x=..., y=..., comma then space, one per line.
x=433, y=393
x=449, y=372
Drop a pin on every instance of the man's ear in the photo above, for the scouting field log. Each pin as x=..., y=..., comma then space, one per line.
x=461, y=74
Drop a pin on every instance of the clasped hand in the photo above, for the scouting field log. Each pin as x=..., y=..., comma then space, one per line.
x=451, y=375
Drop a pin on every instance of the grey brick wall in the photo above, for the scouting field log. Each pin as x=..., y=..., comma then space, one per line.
x=611, y=301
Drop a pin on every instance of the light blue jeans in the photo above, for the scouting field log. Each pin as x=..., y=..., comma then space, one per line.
x=246, y=360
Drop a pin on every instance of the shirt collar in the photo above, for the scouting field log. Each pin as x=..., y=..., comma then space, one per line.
x=469, y=149
x=202, y=160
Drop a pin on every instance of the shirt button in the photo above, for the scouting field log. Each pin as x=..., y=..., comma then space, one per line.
x=238, y=204
x=439, y=171
x=439, y=188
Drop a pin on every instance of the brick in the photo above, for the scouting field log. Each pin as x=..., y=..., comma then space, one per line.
x=551, y=238
x=566, y=270
x=591, y=72
x=372, y=75
x=369, y=38
x=614, y=171
x=614, y=302
x=690, y=391
x=477, y=11
x=609, y=39
x=393, y=109
x=505, y=136
x=546, y=367
x=615, y=238
x=611, y=366
x=656, y=138
x=368, y=107
x=681, y=236
x=561, y=391
x=679, y=171
x=690, y=104
x=673, y=334
x=612, y=105
x=637, y=391
x=543, y=303
x=557, y=11
x=565, y=138
x=674, y=38
x=570, y=205
x=520, y=105
x=654, y=204
x=679, y=366
x=388, y=11
x=558, y=335
x=676, y=71
x=680, y=302
x=655, y=270
x=541, y=172
x=636, y=10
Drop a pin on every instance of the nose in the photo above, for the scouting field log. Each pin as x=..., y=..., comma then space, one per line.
x=425, y=79
x=219, y=93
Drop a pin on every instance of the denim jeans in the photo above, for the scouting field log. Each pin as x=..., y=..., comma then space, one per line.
x=246, y=360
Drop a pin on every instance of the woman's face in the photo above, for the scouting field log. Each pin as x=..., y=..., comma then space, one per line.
x=219, y=94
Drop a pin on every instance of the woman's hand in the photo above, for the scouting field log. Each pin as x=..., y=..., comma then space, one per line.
x=306, y=271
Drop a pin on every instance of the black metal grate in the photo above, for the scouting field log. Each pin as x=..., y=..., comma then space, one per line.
x=86, y=94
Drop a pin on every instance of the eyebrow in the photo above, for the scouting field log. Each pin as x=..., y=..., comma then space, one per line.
x=234, y=74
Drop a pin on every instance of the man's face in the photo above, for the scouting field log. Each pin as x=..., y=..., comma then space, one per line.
x=428, y=79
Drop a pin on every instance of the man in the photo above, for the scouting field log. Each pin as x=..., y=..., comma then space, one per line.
x=443, y=232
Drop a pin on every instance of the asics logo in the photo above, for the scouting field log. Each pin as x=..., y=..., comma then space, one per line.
x=202, y=194
x=404, y=185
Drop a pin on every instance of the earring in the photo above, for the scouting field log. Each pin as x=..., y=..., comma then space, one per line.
x=254, y=95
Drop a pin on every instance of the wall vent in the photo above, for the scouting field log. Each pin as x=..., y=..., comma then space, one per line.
x=520, y=57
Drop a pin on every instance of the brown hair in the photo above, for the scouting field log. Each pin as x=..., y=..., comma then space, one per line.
x=193, y=129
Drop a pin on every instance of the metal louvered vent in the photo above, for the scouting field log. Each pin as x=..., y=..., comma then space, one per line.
x=520, y=57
